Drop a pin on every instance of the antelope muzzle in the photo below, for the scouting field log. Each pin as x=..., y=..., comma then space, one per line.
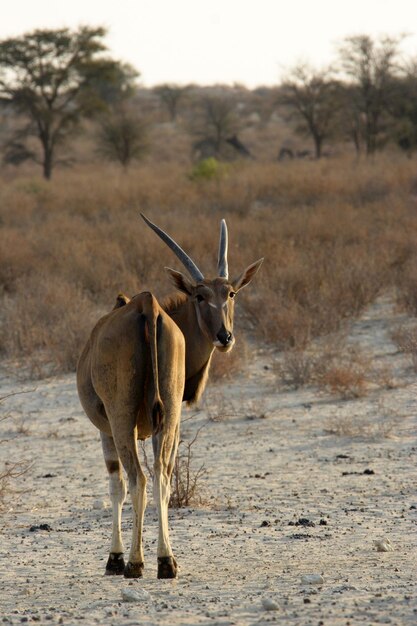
x=225, y=340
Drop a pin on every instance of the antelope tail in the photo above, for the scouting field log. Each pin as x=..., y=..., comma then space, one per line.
x=153, y=325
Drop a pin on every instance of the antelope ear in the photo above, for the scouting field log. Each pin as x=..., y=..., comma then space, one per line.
x=121, y=300
x=247, y=275
x=180, y=281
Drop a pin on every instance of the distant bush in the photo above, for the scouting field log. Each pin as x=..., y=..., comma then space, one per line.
x=208, y=169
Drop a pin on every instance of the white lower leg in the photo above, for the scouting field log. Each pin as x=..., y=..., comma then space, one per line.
x=117, y=496
x=138, y=495
x=162, y=492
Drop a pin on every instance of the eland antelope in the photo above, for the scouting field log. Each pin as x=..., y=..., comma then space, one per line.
x=141, y=361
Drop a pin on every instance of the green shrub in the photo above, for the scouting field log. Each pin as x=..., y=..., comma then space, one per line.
x=208, y=169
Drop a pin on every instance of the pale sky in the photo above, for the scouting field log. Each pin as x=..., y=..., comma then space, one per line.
x=218, y=41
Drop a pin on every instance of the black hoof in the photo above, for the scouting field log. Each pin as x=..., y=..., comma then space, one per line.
x=133, y=570
x=167, y=567
x=115, y=565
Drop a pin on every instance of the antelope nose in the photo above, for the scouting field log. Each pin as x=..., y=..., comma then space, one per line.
x=224, y=336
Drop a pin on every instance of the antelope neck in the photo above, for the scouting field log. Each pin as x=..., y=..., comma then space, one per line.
x=198, y=348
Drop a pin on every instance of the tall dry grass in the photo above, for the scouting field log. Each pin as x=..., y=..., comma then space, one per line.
x=333, y=233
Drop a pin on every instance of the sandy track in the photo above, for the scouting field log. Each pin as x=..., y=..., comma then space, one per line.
x=239, y=549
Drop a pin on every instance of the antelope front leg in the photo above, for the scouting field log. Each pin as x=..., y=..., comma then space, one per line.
x=117, y=488
x=165, y=453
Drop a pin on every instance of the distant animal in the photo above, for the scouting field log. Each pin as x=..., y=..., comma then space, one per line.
x=142, y=360
x=285, y=154
x=205, y=149
x=289, y=154
x=210, y=147
x=235, y=142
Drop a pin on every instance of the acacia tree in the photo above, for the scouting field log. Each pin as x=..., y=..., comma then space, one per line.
x=56, y=77
x=312, y=99
x=372, y=65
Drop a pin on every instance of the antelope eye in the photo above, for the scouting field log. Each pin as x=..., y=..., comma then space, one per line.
x=199, y=298
x=232, y=294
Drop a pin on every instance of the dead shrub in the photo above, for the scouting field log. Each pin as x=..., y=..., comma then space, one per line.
x=331, y=365
x=218, y=407
x=376, y=423
x=347, y=382
x=405, y=338
x=11, y=469
x=406, y=286
x=186, y=482
x=296, y=369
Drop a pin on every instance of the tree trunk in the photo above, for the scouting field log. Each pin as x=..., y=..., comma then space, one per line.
x=317, y=146
x=356, y=141
x=47, y=162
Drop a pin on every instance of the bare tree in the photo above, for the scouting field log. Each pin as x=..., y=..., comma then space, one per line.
x=403, y=108
x=122, y=137
x=311, y=98
x=170, y=96
x=372, y=64
x=216, y=120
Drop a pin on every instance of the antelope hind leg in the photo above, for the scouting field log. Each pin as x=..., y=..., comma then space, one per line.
x=165, y=450
x=127, y=449
x=117, y=488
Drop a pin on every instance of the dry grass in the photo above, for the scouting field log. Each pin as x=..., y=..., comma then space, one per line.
x=333, y=234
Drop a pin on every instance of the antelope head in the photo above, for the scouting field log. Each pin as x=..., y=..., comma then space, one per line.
x=213, y=299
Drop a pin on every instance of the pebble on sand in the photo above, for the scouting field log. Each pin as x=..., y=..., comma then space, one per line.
x=269, y=605
x=312, y=579
x=135, y=595
x=100, y=504
x=383, y=545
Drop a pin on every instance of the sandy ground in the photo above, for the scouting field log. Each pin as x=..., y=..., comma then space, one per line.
x=271, y=460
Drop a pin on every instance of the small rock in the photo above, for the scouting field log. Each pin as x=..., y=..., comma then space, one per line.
x=100, y=504
x=26, y=591
x=265, y=523
x=383, y=545
x=312, y=579
x=269, y=605
x=135, y=595
x=46, y=527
